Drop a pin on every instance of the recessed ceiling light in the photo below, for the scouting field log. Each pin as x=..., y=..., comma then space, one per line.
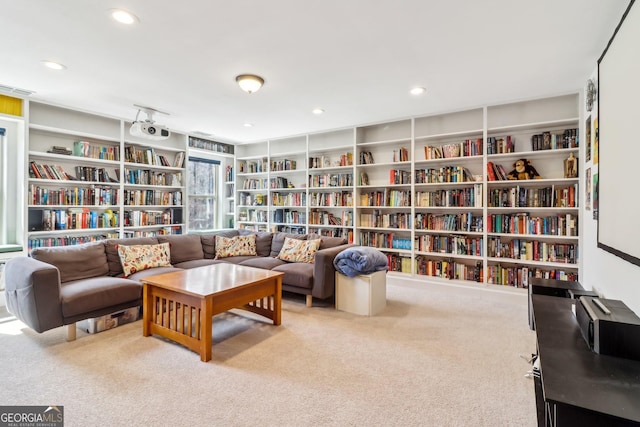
x=248, y=125
x=123, y=16
x=417, y=91
x=54, y=65
x=317, y=111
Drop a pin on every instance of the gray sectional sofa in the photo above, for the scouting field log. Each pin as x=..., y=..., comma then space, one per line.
x=63, y=285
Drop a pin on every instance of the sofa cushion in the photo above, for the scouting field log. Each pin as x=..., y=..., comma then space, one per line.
x=278, y=241
x=235, y=246
x=152, y=272
x=136, y=258
x=209, y=241
x=90, y=294
x=113, y=259
x=183, y=247
x=328, y=242
x=263, y=241
x=196, y=263
x=236, y=259
x=299, y=274
x=295, y=250
x=266, y=263
x=77, y=261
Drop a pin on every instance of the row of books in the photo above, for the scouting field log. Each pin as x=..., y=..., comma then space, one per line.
x=203, y=144
x=289, y=199
x=448, y=269
x=467, y=222
x=555, y=140
x=152, y=197
x=255, y=184
x=77, y=196
x=386, y=198
x=291, y=229
x=249, y=199
x=261, y=227
x=42, y=171
x=496, y=172
x=162, y=231
x=467, y=148
x=148, y=156
x=78, y=218
x=399, y=263
x=384, y=240
x=102, y=152
x=524, y=223
x=90, y=173
x=289, y=216
x=443, y=174
x=253, y=215
x=325, y=161
x=561, y=197
x=345, y=218
x=379, y=220
x=397, y=176
x=138, y=218
x=253, y=166
x=336, y=198
x=455, y=245
x=228, y=174
x=46, y=242
x=500, y=145
x=149, y=177
x=280, y=182
x=333, y=232
x=366, y=158
x=331, y=180
x=519, y=276
x=532, y=250
x=401, y=155
x=283, y=165
x=452, y=197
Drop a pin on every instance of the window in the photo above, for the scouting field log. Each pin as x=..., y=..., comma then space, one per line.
x=202, y=187
x=11, y=176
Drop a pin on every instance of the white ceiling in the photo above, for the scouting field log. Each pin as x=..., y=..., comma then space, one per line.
x=357, y=59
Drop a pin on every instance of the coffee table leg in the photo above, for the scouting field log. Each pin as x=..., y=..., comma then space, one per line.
x=147, y=310
x=277, y=302
x=206, y=325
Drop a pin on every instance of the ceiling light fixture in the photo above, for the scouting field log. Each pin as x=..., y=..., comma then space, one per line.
x=54, y=65
x=417, y=91
x=248, y=125
x=317, y=111
x=249, y=82
x=123, y=16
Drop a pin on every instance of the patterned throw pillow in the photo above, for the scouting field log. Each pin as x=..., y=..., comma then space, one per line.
x=235, y=246
x=136, y=258
x=295, y=250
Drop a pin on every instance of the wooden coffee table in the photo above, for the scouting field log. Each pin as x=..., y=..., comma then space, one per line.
x=180, y=305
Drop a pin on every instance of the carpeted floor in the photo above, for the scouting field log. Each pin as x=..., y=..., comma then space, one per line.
x=439, y=355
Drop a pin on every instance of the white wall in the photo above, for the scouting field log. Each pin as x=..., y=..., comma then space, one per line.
x=601, y=271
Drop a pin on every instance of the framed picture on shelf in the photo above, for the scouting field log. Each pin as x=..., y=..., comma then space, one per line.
x=587, y=127
x=588, y=190
x=596, y=141
x=595, y=196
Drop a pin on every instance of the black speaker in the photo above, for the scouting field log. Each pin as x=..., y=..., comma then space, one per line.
x=36, y=220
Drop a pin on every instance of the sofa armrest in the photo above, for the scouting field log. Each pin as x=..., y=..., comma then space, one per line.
x=324, y=273
x=33, y=293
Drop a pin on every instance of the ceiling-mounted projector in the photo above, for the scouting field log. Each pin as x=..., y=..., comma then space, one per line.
x=148, y=128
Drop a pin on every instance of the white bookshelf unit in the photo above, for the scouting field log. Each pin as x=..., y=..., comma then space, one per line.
x=88, y=179
x=420, y=191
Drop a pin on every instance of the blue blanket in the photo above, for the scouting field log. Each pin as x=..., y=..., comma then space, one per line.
x=360, y=260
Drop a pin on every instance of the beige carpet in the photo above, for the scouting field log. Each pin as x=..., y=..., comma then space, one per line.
x=439, y=355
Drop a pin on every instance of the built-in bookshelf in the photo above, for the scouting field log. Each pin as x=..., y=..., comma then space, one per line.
x=427, y=191
x=89, y=180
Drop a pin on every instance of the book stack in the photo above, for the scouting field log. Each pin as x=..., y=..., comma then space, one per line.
x=56, y=149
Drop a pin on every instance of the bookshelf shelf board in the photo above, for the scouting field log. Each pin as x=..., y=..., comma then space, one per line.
x=69, y=182
x=534, y=236
x=557, y=265
x=150, y=227
x=147, y=186
x=252, y=174
x=330, y=188
x=288, y=190
x=374, y=186
x=532, y=154
x=72, y=231
x=331, y=169
x=426, y=185
x=133, y=165
x=83, y=135
x=537, y=210
x=406, y=164
x=457, y=161
x=463, y=134
x=450, y=208
x=275, y=173
x=544, y=182
x=199, y=152
x=449, y=232
x=39, y=155
x=450, y=255
x=332, y=150
x=385, y=142
x=395, y=251
x=391, y=230
x=156, y=147
x=253, y=190
x=58, y=207
x=256, y=157
x=329, y=226
x=544, y=125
